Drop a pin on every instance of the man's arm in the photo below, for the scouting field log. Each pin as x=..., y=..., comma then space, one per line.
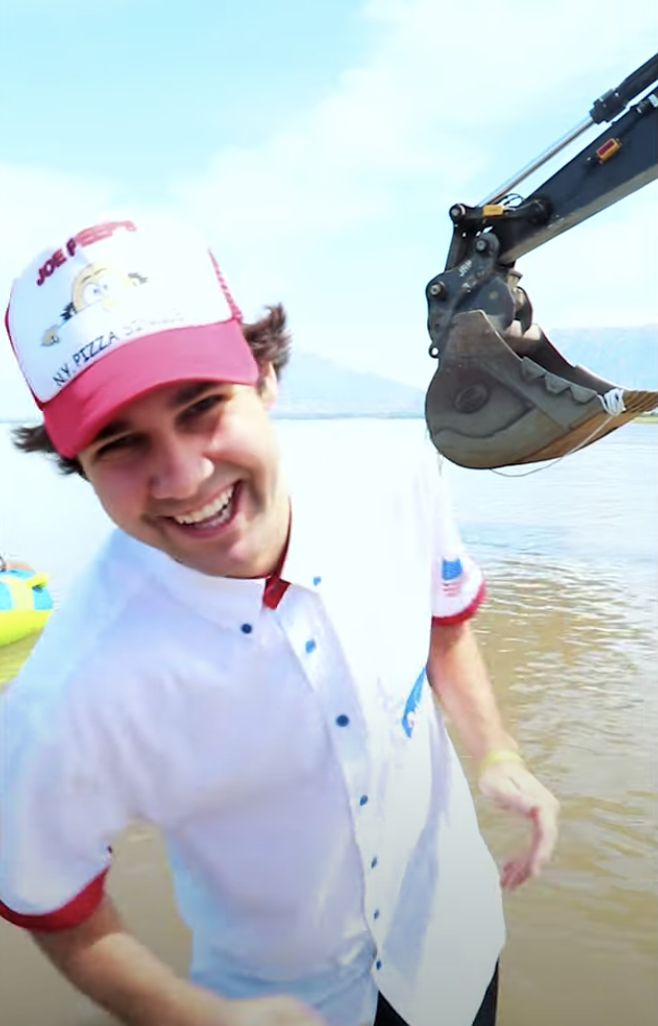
x=105, y=962
x=459, y=678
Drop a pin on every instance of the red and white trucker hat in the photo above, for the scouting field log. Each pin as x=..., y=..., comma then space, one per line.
x=116, y=310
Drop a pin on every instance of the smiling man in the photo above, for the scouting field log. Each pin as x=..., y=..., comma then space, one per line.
x=257, y=680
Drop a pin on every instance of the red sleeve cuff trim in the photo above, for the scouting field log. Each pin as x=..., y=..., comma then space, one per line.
x=466, y=613
x=66, y=917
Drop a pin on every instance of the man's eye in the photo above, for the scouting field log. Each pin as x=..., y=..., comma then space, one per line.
x=117, y=445
x=208, y=402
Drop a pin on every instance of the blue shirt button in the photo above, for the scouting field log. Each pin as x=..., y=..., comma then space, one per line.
x=310, y=645
x=375, y=914
x=317, y=580
x=378, y=963
x=374, y=862
x=363, y=799
x=342, y=720
x=246, y=628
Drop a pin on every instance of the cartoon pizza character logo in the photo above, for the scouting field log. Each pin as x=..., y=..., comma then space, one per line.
x=96, y=283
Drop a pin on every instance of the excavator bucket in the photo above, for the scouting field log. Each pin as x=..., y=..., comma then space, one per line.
x=497, y=401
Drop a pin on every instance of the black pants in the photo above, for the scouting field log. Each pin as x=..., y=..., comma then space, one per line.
x=387, y=1016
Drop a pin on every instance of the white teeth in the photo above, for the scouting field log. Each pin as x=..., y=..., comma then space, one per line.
x=211, y=509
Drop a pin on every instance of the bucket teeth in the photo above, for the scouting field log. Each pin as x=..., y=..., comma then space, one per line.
x=530, y=370
x=581, y=394
x=555, y=385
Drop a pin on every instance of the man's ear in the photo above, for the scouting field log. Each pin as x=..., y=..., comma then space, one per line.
x=268, y=386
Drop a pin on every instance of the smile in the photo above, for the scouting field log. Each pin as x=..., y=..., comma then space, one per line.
x=212, y=514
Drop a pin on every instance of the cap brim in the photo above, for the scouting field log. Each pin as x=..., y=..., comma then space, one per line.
x=209, y=352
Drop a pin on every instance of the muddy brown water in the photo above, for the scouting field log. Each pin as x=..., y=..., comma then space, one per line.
x=570, y=633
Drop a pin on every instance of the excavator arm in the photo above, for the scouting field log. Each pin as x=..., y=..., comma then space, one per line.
x=502, y=394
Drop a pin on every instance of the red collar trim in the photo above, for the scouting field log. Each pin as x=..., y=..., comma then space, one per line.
x=275, y=586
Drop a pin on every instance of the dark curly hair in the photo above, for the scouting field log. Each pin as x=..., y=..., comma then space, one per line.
x=269, y=341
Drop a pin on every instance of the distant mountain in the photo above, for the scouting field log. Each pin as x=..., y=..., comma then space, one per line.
x=312, y=386
x=625, y=356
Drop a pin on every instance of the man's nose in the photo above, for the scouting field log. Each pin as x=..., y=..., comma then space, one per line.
x=179, y=469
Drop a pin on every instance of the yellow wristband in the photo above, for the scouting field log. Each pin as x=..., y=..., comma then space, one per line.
x=492, y=758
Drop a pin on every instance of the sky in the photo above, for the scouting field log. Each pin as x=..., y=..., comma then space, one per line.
x=319, y=146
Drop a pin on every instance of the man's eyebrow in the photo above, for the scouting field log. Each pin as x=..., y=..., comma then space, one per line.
x=115, y=427
x=189, y=392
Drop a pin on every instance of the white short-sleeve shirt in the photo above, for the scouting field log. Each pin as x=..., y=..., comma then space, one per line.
x=322, y=837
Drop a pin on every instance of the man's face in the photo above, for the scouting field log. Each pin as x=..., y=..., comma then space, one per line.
x=193, y=470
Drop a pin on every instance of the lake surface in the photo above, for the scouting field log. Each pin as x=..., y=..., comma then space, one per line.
x=570, y=632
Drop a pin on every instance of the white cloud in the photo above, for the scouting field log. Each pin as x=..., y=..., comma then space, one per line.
x=435, y=105
x=602, y=273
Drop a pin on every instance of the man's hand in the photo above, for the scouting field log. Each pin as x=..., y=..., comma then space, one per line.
x=274, y=1011
x=512, y=787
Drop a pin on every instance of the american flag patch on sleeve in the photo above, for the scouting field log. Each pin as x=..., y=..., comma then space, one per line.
x=452, y=573
x=458, y=589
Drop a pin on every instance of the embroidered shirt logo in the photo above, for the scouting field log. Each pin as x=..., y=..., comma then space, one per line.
x=410, y=714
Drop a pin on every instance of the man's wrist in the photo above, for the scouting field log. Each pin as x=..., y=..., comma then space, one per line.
x=496, y=755
x=186, y=1004
x=182, y=1004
